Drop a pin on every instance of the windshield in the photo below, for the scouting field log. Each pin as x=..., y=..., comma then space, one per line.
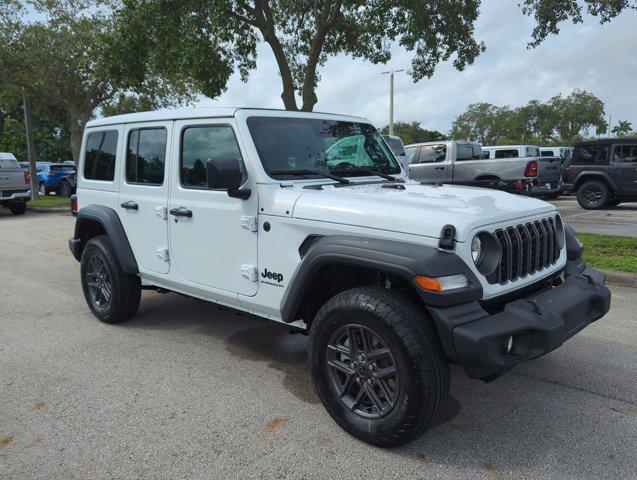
x=348, y=148
x=57, y=168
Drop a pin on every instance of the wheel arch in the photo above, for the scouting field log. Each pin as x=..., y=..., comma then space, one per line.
x=94, y=220
x=337, y=263
x=586, y=176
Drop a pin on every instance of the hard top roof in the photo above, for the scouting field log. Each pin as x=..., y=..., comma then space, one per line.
x=606, y=141
x=208, y=112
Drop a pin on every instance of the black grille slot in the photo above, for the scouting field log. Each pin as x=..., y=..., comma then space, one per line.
x=525, y=249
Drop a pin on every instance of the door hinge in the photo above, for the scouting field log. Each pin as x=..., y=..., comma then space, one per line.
x=161, y=212
x=249, y=223
x=249, y=272
x=162, y=253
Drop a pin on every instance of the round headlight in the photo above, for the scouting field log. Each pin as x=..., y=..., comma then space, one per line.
x=485, y=252
x=476, y=249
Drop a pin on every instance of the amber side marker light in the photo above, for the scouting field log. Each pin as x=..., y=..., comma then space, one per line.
x=441, y=284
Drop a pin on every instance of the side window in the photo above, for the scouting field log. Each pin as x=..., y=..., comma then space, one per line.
x=506, y=153
x=100, y=155
x=432, y=154
x=590, y=155
x=146, y=156
x=198, y=144
x=546, y=153
x=486, y=154
x=625, y=154
x=409, y=154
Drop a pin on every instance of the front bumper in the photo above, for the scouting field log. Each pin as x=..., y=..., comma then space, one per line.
x=538, y=323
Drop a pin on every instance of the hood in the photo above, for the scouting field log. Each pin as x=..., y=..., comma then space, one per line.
x=418, y=209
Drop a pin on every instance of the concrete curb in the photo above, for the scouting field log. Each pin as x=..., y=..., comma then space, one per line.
x=621, y=279
x=49, y=210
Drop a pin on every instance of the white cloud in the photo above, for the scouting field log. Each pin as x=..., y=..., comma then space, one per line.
x=597, y=58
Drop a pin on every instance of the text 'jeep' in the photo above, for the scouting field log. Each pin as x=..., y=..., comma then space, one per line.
x=308, y=220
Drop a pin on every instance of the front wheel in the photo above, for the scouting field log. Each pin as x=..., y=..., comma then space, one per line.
x=593, y=195
x=377, y=366
x=112, y=295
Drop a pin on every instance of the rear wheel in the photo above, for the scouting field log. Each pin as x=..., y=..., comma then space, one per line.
x=65, y=189
x=112, y=295
x=593, y=195
x=377, y=366
x=18, y=208
x=43, y=190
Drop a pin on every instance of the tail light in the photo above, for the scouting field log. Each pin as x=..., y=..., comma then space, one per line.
x=74, y=205
x=531, y=169
x=27, y=178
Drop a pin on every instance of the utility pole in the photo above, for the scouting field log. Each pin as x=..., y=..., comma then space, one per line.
x=391, y=97
x=610, y=124
x=30, y=145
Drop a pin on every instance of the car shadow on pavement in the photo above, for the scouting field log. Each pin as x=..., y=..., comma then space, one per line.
x=522, y=422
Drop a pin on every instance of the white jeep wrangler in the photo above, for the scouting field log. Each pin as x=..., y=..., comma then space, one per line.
x=308, y=220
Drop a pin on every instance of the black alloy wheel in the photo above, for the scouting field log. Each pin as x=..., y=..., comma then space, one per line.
x=98, y=282
x=362, y=371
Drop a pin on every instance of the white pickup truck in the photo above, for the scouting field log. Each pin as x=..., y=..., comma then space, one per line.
x=14, y=184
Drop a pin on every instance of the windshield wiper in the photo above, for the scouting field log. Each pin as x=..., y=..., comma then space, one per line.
x=372, y=172
x=307, y=171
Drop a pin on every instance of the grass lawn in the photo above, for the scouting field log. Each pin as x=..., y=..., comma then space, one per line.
x=610, y=253
x=50, y=202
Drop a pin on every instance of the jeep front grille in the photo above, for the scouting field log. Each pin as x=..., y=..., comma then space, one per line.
x=526, y=248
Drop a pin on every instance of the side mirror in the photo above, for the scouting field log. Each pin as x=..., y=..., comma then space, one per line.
x=225, y=174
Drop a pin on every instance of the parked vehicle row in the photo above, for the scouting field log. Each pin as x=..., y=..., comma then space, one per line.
x=58, y=177
x=15, y=184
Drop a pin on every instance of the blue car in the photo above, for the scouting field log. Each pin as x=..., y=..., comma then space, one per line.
x=51, y=176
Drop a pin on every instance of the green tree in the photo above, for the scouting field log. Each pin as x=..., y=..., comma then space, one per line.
x=622, y=129
x=484, y=123
x=65, y=62
x=549, y=14
x=576, y=113
x=208, y=38
x=414, y=133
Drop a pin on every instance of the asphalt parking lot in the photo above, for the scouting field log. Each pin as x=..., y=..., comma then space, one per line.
x=620, y=220
x=186, y=390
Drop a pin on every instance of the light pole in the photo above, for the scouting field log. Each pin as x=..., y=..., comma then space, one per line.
x=610, y=124
x=391, y=97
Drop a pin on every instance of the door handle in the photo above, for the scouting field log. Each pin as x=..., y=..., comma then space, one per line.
x=439, y=168
x=130, y=205
x=181, y=212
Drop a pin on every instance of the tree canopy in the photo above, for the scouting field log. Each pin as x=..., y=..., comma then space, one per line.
x=208, y=39
x=64, y=60
x=412, y=132
x=561, y=120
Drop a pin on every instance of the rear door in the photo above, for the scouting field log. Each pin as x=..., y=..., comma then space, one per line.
x=623, y=167
x=143, y=194
x=430, y=164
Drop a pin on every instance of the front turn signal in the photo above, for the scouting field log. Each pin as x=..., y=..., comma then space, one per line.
x=441, y=284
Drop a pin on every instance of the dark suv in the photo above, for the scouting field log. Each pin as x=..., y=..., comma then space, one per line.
x=603, y=172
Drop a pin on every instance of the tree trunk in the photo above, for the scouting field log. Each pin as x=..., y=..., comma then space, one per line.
x=2, y=118
x=289, y=101
x=30, y=145
x=77, y=130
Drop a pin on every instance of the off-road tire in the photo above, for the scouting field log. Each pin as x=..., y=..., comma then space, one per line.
x=65, y=189
x=125, y=288
x=18, y=208
x=411, y=337
x=593, y=195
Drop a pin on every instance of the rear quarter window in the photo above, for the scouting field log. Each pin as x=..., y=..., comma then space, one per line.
x=590, y=155
x=100, y=155
x=512, y=153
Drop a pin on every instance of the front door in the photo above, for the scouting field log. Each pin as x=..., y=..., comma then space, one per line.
x=623, y=167
x=429, y=164
x=213, y=236
x=143, y=194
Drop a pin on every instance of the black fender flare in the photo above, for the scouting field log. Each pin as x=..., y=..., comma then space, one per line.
x=586, y=174
x=400, y=258
x=110, y=221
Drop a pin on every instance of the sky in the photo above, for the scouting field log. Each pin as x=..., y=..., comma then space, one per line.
x=601, y=59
